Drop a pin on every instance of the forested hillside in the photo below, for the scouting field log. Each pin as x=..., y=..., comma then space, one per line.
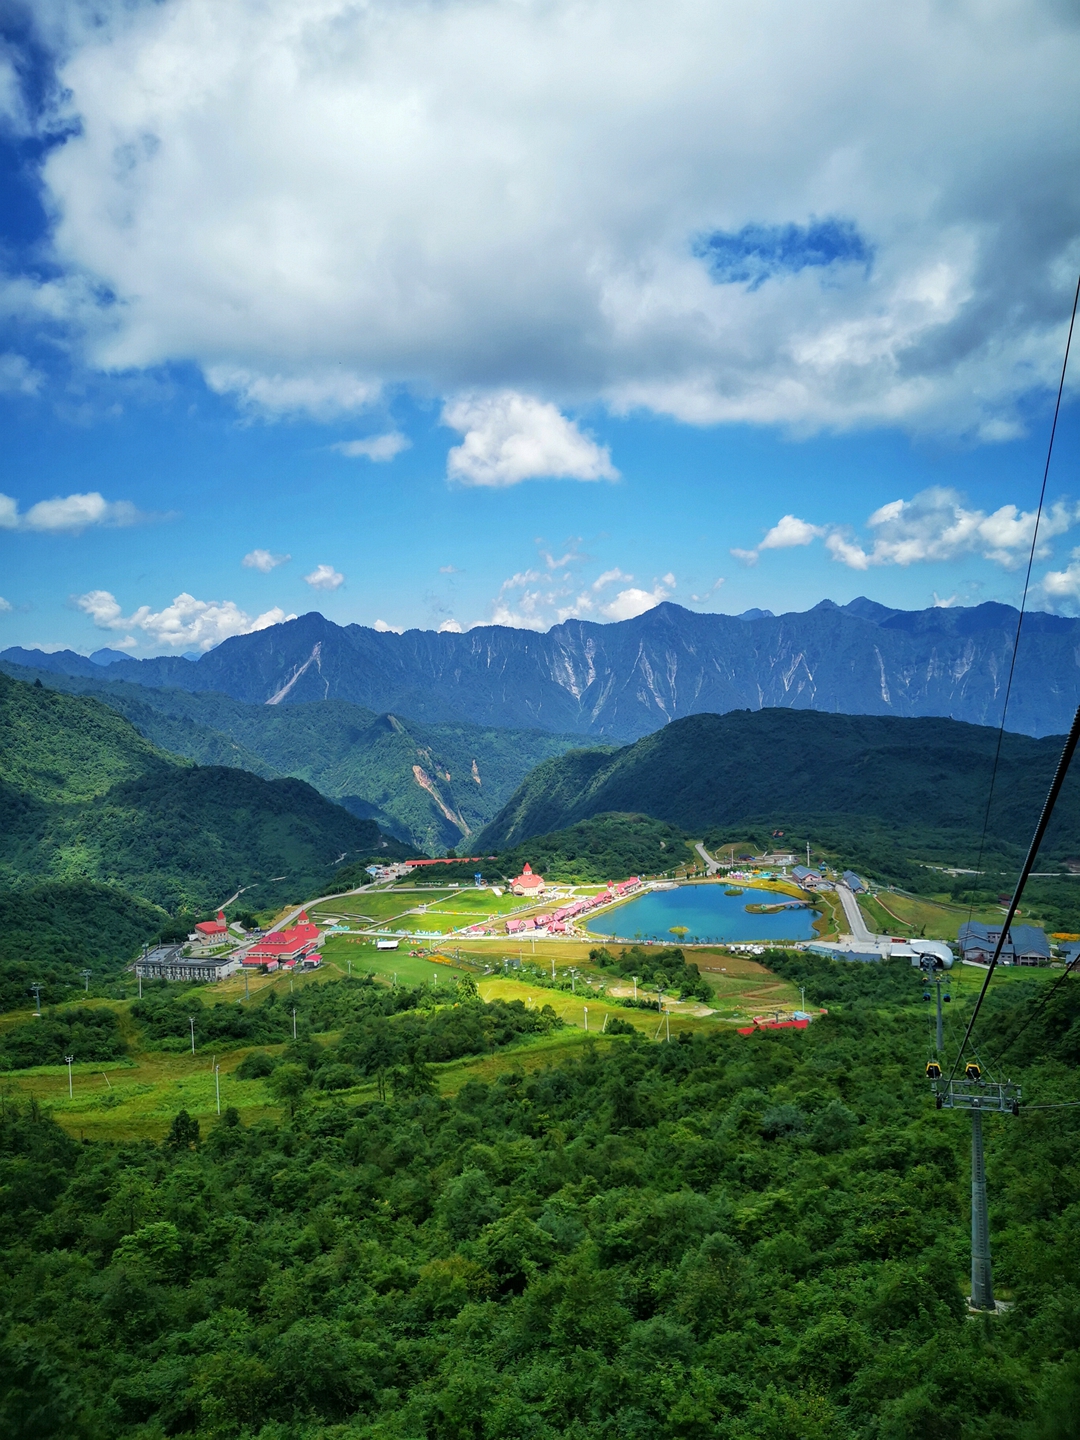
x=84, y=796
x=921, y=780
x=723, y=1238
x=430, y=785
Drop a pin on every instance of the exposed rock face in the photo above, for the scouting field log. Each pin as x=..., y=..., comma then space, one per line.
x=624, y=680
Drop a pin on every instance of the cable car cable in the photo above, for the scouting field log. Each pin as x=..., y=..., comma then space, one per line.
x=1029, y=864
x=1023, y=600
x=1043, y=1002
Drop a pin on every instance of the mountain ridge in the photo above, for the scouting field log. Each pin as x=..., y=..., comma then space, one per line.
x=707, y=771
x=622, y=680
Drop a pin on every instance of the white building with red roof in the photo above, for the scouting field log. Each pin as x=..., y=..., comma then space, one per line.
x=529, y=884
x=210, y=932
x=298, y=945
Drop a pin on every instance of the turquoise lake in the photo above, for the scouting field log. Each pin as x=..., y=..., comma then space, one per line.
x=708, y=914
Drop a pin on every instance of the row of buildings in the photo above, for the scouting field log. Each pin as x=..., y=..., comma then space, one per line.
x=560, y=921
x=293, y=948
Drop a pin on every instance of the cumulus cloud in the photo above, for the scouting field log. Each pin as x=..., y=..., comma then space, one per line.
x=511, y=437
x=263, y=560
x=5, y=606
x=186, y=624
x=18, y=376
x=820, y=216
x=450, y=627
x=68, y=514
x=324, y=577
x=385, y=629
x=787, y=532
x=375, y=447
x=1063, y=584
x=631, y=602
x=938, y=525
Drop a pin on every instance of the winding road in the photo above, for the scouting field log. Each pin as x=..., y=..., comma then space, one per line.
x=859, y=928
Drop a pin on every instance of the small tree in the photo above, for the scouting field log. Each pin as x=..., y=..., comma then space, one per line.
x=183, y=1133
x=288, y=1083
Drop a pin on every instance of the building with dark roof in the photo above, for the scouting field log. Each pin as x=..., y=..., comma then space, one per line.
x=852, y=881
x=168, y=962
x=1024, y=944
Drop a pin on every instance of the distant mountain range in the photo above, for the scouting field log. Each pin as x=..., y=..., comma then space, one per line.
x=625, y=680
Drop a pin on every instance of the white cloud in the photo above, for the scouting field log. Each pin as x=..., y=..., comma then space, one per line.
x=709, y=593
x=1064, y=584
x=263, y=560
x=628, y=603
x=68, y=514
x=323, y=394
x=511, y=437
x=450, y=627
x=309, y=197
x=449, y=570
x=375, y=447
x=5, y=606
x=385, y=629
x=18, y=376
x=324, y=577
x=937, y=525
x=609, y=577
x=186, y=624
x=787, y=532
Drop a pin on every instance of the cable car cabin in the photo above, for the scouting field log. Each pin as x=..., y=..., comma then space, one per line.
x=933, y=1070
x=972, y=1071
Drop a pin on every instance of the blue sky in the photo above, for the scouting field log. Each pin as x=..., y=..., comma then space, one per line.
x=471, y=323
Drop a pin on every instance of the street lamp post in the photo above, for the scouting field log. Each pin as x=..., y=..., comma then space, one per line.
x=586, y=1008
x=217, y=1087
x=191, y=1022
x=67, y=1060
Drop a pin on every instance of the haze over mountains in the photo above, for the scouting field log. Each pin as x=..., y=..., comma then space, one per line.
x=624, y=680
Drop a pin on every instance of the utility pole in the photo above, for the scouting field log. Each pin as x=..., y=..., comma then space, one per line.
x=191, y=1022
x=553, y=967
x=37, y=998
x=294, y=1022
x=67, y=1060
x=635, y=987
x=140, y=984
x=86, y=979
x=586, y=1008
x=667, y=1017
x=217, y=1087
x=245, y=983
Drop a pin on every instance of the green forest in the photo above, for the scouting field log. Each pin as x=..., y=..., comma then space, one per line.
x=348, y=753
x=83, y=796
x=754, y=1237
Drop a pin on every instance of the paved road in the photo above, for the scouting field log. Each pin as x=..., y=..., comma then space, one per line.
x=859, y=929
x=711, y=865
x=334, y=895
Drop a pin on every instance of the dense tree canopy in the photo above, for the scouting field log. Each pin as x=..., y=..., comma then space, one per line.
x=751, y=1238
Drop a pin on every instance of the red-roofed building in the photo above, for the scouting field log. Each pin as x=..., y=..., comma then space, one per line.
x=528, y=884
x=210, y=932
x=298, y=945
